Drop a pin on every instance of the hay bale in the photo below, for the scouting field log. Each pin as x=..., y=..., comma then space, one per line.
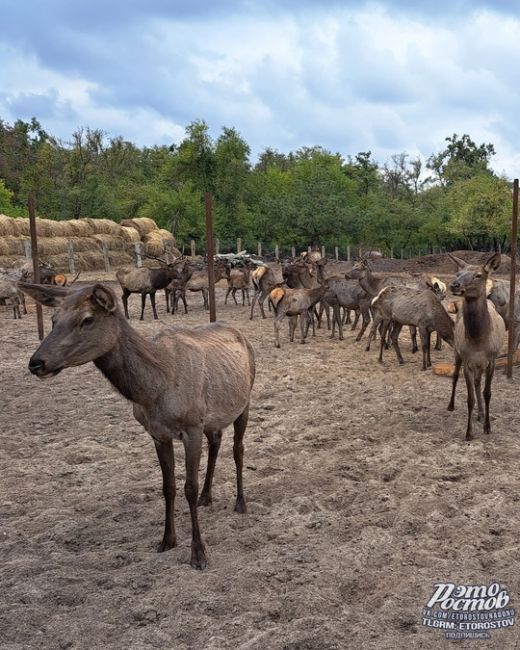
x=143, y=225
x=112, y=243
x=7, y=226
x=104, y=227
x=121, y=258
x=12, y=245
x=22, y=227
x=80, y=228
x=154, y=243
x=166, y=235
x=130, y=235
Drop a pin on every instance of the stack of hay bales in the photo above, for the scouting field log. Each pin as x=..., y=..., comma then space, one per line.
x=89, y=238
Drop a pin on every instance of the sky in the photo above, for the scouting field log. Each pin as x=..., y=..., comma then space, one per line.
x=388, y=76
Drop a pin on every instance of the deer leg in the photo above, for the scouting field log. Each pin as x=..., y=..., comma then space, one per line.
x=456, y=373
x=192, y=447
x=470, y=381
x=233, y=294
x=490, y=371
x=167, y=462
x=227, y=294
x=152, y=300
x=373, y=330
x=239, y=426
x=338, y=320
x=214, y=440
x=292, y=327
x=347, y=317
x=396, y=330
x=356, y=319
x=384, y=327
x=205, y=298
x=413, y=336
x=124, y=298
x=167, y=297
x=276, y=323
x=478, y=393
x=425, y=346
x=366, y=321
x=256, y=297
x=143, y=302
x=305, y=318
x=183, y=296
x=438, y=342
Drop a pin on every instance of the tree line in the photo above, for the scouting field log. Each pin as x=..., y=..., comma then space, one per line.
x=310, y=196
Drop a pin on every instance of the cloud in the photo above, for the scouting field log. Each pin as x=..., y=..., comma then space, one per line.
x=386, y=76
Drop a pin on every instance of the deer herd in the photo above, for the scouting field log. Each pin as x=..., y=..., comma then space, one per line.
x=186, y=383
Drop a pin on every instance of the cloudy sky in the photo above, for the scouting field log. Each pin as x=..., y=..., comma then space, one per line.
x=352, y=76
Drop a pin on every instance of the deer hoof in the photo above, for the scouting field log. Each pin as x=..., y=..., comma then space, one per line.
x=198, y=559
x=451, y=407
x=204, y=499
x=469, y=436
x=166, y=546
x=240, y=506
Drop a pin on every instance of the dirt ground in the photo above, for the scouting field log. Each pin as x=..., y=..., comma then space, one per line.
x=362, y=494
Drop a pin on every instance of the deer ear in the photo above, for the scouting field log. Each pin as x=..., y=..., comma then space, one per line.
x=47, y=295
x=493, y=263
x=461, y=264
x=104, y=297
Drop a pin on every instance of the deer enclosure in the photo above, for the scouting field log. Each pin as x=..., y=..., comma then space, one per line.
x=361, y=495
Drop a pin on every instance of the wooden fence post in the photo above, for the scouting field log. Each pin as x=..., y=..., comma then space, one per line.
x=348, y=253
x=239, y=245
x=391, y=252
x=277, y=252
x=259, y=249
x=293, y=251
x=323, y=251
x=336, y=253
x=138, y=258
x=27, y=249
x=309, y=249
x=106, y=258
x=72, y=266
x=193, y=249
x=217, y=246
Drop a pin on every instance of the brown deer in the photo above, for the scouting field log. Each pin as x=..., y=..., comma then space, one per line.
x=238, y=279
x=396, y=306
x=265, y=279
x=479, y=336
x=183, y=383
x=294, y=303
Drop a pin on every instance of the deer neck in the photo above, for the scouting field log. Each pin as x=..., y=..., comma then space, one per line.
x=132, y=366
x=370, y=284
x=477, y=322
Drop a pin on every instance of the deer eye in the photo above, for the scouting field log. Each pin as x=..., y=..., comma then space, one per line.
x=88, y=320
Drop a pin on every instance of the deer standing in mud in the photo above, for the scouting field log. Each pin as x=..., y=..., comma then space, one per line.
x=479, y=336
x=183, y=383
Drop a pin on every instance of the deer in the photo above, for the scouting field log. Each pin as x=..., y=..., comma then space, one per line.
x=238, y=280
x=183, y=384
x=10, y=295
x=398, y=305
x=199, y=281
x=294, y=303
x=146, y=282
x=479, y=336
x=177, y=287
x=265, y=279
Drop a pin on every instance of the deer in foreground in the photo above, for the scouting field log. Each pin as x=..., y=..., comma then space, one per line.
x=183, y=383
x=479, y=336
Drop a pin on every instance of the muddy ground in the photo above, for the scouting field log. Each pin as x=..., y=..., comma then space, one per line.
x=361, y=492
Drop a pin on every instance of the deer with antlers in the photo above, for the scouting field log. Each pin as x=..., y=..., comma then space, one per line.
x=146, y=282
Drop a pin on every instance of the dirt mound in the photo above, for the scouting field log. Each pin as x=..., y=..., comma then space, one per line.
x=438, y=263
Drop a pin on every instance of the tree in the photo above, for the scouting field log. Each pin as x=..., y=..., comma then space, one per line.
x=461, y=159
